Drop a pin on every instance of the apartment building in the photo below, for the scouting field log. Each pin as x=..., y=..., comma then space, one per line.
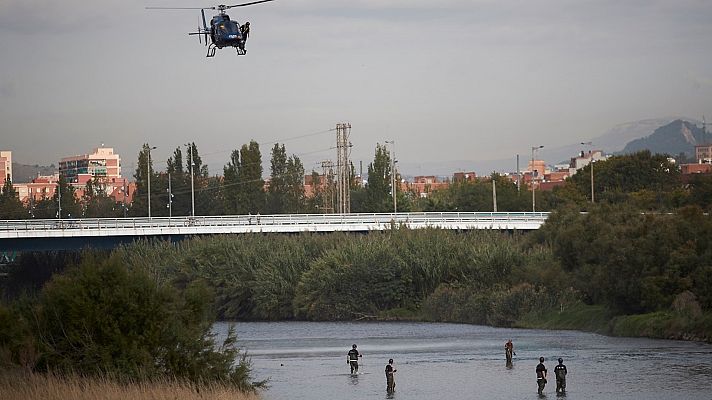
x=703, y=153
x=102, y=163
x=6, y=166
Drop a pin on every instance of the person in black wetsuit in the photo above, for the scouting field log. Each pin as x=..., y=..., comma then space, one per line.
x=541, y=375
x=390, y=378
x=352, y=359
x=560, y=372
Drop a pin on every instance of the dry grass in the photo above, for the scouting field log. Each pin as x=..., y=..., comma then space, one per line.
x=17, y=386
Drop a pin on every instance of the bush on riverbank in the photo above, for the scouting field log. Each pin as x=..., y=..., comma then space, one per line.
x=664, y=325
x=340, y=276
x=499, y=307
x=632, y=263
x=102, y=319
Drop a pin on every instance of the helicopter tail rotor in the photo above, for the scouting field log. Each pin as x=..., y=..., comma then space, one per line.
x=202, y=13
x=205, y=26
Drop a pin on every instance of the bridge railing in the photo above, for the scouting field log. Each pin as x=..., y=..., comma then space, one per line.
x=429, y=218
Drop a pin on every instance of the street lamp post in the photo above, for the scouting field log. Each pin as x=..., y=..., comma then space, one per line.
x=534, y=148
x=148, y=175
x=170, y=197
x=393, y=175
x=590, y=152
x=192, y=187
x=59, y=198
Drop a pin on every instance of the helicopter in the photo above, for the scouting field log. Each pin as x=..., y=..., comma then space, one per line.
x=223, y=31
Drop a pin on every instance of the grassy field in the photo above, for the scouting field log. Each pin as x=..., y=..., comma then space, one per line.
x=660, y=325
x=665, y=325
x=25, y=386
x=579, y=317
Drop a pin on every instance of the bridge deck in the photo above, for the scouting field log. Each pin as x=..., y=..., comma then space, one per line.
x=284, y=223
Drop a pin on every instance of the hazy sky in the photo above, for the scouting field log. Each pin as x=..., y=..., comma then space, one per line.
x=445, y=79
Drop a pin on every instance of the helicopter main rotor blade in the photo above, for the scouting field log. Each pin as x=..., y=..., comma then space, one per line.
x=179, y=8
x=248, y=4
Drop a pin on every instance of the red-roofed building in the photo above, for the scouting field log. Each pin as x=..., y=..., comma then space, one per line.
x=423, y=186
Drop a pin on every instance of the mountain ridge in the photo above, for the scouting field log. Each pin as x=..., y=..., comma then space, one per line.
x=611, y=141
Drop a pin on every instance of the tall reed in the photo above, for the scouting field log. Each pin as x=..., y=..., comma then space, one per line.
x=24, y=386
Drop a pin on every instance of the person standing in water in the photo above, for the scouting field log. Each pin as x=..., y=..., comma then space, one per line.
x=352, y=359
x=509, y=351
x=560, y=372
x=390, y=378
x=541, y=375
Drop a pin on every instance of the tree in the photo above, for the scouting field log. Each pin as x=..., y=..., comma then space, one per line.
x=139, y=206
x=175, y=163
x=101, y=317
x=231, y=182
x=179, y=185
x=252, y=194
x=377, y=196
x=294, y=199
x=276, y=189
x=66, y=198
x=206, y=192
x=96, y=203
x=619, y=176
x=10, y=205
x=198, y=168
x=243, y=185
x=701, y=191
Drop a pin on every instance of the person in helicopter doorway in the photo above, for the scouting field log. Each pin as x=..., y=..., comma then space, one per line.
x=245, y=31
x=352, y=359
x=560, y=372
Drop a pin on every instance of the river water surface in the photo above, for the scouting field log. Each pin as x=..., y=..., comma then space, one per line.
x=307, y=360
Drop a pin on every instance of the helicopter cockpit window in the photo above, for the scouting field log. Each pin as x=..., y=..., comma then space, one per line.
x=229, y=28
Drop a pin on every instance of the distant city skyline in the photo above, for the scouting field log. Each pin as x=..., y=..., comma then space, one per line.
x=447, y=80
x=612, y=141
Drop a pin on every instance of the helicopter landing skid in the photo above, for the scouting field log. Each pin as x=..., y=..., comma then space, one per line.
x=211, y=50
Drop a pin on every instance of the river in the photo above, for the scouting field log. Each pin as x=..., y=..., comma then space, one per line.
x=307, y=360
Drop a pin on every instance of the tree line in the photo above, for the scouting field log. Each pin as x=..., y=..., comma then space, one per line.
x=645, y=181
x=613, y=258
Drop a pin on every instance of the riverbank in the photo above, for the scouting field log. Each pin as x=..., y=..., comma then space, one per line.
x=597, y=319
x=23, y=386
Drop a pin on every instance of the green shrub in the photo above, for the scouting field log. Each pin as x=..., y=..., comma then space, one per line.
x=100, y=318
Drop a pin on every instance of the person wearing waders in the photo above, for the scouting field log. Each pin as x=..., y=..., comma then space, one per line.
x=541, y=375
x=352, y=359
x=390, y=378
x=560, y=372
x=509, y=351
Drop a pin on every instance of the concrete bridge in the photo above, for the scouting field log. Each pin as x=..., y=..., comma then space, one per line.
x=56, y=234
